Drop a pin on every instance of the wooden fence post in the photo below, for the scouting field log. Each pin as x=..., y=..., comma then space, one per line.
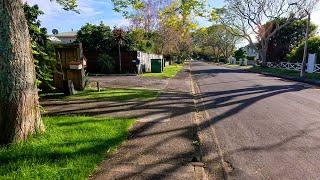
x=98, y=86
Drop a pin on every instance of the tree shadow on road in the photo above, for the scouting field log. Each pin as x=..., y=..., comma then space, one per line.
x=174, y=106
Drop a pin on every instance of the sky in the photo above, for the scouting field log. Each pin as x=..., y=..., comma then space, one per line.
x=91, y=11
x=95, y=11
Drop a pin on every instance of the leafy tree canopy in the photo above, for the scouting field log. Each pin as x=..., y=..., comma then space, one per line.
x=101, y=38
x=296, y=55
x=143, y=41
x=68, y=4
x=96, y=37
x=240, y=53
x=286, y=39
x=168, y=24
x=42, y=49
x=214, y=42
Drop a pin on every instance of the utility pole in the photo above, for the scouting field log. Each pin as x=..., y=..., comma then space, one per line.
x=305, y=52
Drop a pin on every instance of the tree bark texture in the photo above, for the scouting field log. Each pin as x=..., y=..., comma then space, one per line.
x=19, y=102
x=263, y=51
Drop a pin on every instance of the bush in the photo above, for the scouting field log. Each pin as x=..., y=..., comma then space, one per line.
x=296, y=55
x=222, y=60
x=251, y=58
x=107, y=63
x=240, y=53
x=97, y=38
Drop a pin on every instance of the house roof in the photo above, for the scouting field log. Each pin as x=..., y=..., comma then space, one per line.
x=66, y=34
x=54, y=39
x=63, y=38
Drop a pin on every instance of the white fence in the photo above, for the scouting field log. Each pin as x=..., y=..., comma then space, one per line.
x=317, y=68
x=292, y=66
x=233, y=60
x=241, y=62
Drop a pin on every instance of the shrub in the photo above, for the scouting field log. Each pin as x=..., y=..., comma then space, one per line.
x=251, y=58
x=296, y=55
x=240, y=53
x=107, y=63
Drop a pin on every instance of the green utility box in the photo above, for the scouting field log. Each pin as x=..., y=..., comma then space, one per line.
x=156, y=66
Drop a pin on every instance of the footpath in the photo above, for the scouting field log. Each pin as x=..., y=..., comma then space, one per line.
x=163, y=144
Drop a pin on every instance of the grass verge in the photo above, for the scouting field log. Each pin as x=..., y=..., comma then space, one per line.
x=71, y=148
x=116, y=94
x=108, y=94
x=285, y=72
x=168, y=72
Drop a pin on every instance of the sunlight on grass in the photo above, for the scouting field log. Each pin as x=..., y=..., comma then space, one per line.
x=284, y=72
x=117, y=94
x=169, y=72
x=71, y=148
x=238, y=66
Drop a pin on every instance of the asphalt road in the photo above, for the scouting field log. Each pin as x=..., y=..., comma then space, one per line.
x=264, y=127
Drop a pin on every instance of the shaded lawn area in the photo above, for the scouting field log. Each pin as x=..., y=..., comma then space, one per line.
x=284, y=72
x=71, y=148
x=116, y=94
x=168, y=72
x=108, y=94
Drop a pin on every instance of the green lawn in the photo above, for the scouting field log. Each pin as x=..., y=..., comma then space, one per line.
x=116, y=94
x=284, y=72
x=169, y=72
x=71, y=148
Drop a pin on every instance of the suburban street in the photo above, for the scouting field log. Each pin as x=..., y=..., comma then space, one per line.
x=153, y=89
x=261, y=127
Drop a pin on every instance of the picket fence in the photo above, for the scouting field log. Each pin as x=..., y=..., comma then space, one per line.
x=291, y=66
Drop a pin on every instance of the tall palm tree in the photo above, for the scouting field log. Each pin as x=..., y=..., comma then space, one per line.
x=119, y=35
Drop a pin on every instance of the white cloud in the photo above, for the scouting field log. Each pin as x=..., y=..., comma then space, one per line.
x=315, y=16
x=86, y=7
x=91, y=11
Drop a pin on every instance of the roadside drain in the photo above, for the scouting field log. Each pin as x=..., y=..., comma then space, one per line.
x=228, y=168
x=196, y=162
x=196, y=143
x=198, y=168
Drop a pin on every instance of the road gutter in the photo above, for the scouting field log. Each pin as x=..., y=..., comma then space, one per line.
x=199, y=167
x=200, y=116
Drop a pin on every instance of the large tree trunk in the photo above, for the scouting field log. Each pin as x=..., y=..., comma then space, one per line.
x=19, y=104
x=263, y=57
x=263, y=52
